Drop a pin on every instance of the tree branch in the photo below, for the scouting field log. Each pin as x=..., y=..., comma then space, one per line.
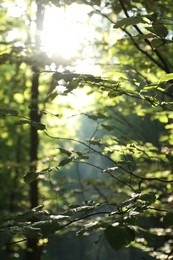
x=164, y=66
x=134, y=42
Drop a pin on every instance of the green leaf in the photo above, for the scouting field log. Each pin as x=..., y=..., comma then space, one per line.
x=94, y=141
x=149, y=197
x=35, y=213
x=23, y=122
x=93, y=117
x=25, y=216
x=30, y=177
x=147, y=235
x=156, y=43
x=108, y=127
x=31, y=232
x=51, y=225
x=64, y=151
x=140, y=37
x=7, y=111
x=96, y=2
x=119, y=236
x=88, y=228
x=82, y=156
x=87, y=209
x=168, y=220
x=128, y=21
x=65, y=76
x=167, y=77
x=7, y=234
x=47, y=226
x=57, y=76
x=160, y=29
x=38, y=126
x=65, y=161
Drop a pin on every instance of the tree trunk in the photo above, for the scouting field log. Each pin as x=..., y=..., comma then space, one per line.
x=33, y=249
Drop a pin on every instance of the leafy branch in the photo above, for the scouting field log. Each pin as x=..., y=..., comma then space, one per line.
x=110, y=159
x=164, y=66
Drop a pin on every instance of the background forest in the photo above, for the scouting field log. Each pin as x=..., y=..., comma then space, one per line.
x=86, y=128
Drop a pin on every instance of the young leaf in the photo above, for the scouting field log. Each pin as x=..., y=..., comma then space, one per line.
x=167, y=77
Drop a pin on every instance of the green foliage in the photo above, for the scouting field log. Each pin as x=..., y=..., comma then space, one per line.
x=119, y=237
x=103, y=166
x=128, y=21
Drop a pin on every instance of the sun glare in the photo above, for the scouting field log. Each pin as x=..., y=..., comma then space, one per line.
x=66, y=30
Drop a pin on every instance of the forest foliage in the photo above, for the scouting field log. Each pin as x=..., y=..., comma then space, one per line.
x=104, y=166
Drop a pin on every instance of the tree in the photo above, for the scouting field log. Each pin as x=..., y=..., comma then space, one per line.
x=124, y=167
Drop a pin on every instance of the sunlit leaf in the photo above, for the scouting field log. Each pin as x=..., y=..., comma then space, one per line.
x=167, y=77
x=47, y=226
x=30, y=232
x=93, y=225
x=92, y=79
x=129, y=21
x=94, y=141
x=65, y=76
x=96, y=2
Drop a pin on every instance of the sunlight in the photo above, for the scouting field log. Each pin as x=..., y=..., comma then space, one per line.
x=66, y=31
x=67, y=34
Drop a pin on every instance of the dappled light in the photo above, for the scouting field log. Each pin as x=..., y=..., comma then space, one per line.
x=86, y=130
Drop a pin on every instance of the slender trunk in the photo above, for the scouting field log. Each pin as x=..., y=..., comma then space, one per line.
x=33, y=249
x=34, y=138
